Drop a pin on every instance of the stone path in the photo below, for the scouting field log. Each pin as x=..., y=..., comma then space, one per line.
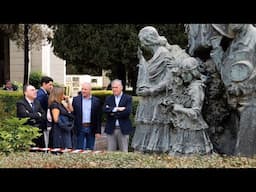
x=101, y=143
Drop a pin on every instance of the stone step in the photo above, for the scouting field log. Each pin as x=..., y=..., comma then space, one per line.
x=101, y=143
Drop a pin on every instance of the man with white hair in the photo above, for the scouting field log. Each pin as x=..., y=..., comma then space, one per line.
x=87, y=112
x=118, y=108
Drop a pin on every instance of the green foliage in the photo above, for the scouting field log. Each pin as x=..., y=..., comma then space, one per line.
x=97, y=88
x=8, y=101
x=101, y=94
x=174, y=33
x=9, y=29
x=89, y=48
x=135, y=102
x=19, y=85
x=15, y=136
x=37, y=33
x=35, y=79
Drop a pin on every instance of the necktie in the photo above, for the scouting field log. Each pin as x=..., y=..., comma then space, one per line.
x=32, y=105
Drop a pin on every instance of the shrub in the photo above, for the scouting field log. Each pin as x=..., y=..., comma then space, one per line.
x=18, y=85
x=8, y=101
x=135, y=102
x=97, y=88
x=15, y=136
x=101, y=94
x=35, y=79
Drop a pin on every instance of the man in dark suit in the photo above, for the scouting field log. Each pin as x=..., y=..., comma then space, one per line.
x=42, y=96
x=43, y=92
x=87, y=112
x=118, y=108
x=30, y=107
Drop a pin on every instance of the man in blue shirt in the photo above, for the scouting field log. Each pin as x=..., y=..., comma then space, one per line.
x=118, y=108
x=87, y=112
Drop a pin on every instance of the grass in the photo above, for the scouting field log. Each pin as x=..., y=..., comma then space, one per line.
x=120, y=160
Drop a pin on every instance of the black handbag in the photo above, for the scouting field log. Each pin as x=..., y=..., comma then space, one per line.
x=65, y=122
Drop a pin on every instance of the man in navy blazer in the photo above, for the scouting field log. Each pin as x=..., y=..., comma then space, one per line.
x=43, y=92
x=42, y=97
x=118, y=108
x=87, y=112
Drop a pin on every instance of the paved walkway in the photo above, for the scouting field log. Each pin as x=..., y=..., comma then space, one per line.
x=101, y=143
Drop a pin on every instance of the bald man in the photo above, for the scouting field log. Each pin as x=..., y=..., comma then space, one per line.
x=30, y=107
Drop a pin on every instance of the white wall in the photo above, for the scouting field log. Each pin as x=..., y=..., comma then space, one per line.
x=16, y=63
x=46, y=56
x=57, y=68
x=40, y=60
x=74, y=82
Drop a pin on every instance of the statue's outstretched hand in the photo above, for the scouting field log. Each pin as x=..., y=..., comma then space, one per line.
x=139, y=53
x=143, y=91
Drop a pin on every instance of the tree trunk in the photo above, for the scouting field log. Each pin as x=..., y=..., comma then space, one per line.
x=121, y=74
x=26, y=51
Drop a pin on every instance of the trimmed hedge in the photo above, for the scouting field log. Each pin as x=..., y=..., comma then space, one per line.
x=101, y=94
x=35, y=79
x=8, y=101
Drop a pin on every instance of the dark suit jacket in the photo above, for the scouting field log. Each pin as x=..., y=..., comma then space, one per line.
x=122, y=116
x=43, y=98
x=96, y=111
x=24, y=109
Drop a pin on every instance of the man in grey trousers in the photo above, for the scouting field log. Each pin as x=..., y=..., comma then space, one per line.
x=118, y=108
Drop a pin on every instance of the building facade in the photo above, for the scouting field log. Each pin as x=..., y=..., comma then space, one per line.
x=41, y=59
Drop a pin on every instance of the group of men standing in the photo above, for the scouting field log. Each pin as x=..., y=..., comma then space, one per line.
x=87, y=112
